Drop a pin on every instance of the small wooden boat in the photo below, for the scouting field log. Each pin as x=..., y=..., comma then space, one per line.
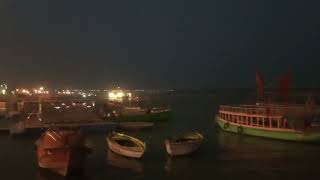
x=138, y=125
x=121, y=162
x=184, y=145
x=62, y=152
x=126, y=145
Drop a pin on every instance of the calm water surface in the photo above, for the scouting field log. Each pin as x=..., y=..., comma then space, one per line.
x=223, y=155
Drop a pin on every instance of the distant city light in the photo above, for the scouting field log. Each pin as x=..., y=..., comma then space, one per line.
x=3, y=89
x=23, y=92
x=41, y=90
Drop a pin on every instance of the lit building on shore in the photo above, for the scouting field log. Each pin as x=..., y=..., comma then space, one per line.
x=119, y=95
x=77, y=92
x=3, y=89
x=40, y=91
x=22, y=91
x=35, y=91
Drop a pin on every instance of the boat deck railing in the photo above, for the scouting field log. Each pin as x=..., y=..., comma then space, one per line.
x=268, y=109
x=299, y=107
x=254, y=110
x=272, y=116
x=254, y=116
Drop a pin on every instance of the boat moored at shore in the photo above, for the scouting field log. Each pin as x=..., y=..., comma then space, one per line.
x=126, y=145
x=283, y=122
x=62, y=151
x=184, y=145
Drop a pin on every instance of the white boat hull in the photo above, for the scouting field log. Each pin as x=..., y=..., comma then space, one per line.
x=123, y=150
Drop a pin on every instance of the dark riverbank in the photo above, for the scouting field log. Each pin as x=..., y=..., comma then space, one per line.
x=223, y=155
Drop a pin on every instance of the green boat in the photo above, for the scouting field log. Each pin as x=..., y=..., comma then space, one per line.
x=281, y=122
x=153, y=115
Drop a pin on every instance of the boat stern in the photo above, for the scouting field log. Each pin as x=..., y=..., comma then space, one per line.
x=168, y=147
x=311, y=136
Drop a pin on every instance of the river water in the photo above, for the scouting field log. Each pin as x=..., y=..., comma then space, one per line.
x=223, y=155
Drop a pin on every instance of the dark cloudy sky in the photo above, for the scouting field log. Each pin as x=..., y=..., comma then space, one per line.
x=158, y=43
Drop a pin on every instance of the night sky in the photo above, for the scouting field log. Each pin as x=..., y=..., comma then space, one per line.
x=158, y=44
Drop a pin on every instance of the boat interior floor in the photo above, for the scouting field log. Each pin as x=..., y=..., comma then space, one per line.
x=127, y=143
x=183, y=140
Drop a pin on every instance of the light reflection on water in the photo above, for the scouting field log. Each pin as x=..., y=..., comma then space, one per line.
x=121, y=162
x=269, y=158
x=46, y=175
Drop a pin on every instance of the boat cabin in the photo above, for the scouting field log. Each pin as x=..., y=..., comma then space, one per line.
x=266, y=117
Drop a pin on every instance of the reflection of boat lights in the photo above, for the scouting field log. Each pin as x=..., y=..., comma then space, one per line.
x=84, y=104
x=57, y=107
x=89, y=106
x=63, y=104
x=67, y=107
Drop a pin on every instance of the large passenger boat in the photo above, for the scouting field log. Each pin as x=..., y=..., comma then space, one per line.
x=283, y=121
